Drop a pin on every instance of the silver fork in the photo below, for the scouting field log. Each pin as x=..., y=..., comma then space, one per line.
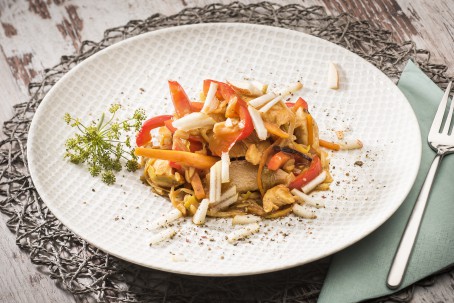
x=443, y=144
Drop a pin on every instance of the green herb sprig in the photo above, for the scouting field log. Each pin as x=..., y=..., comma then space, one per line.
x=100, y=144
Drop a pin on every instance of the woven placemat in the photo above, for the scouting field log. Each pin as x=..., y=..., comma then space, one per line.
x=83, y=269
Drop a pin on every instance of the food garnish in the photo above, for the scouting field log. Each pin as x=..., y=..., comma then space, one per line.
x=104, y=144
x=243, y=152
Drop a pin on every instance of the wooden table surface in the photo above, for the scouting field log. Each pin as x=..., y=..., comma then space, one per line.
x=35, y=33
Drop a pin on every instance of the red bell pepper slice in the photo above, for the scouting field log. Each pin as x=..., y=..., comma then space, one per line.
x=196, y=106
x=299, y=103
x=278, y=160
x=194, y=145
x=144, y=136
x=168, y=124
x=176, y=166
x=224, y=143
x=180, y=99
x=206, y=88
x=228, y=93
x=307, y=176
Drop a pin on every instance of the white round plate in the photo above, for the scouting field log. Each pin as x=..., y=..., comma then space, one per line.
x=134, y=73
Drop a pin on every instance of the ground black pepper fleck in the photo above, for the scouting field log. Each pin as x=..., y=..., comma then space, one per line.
x=359, y=163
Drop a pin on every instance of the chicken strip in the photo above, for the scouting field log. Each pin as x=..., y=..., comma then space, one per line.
x=276, y=197
x=243, y=175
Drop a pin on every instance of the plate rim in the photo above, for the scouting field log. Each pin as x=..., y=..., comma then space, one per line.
x=368, y=231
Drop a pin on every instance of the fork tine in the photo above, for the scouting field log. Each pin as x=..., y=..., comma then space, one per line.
x=436, y=123
x=448, y=118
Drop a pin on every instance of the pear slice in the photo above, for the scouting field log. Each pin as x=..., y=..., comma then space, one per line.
x=257, y=120
x=248, y=88
x=215, y=182
x=333, y=76
x=200, y=214
x=242, y=233
x=211, y=103
x=245, y=219
x=292, y=88
x=225, y=167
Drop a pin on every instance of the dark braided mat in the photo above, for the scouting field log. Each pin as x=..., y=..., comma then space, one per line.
x=86, y=271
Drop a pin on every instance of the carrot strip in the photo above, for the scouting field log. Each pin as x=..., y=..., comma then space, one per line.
x=310, y=129
x=329, y=145
x=273, y=129
x=198, y=187
x=188, y=158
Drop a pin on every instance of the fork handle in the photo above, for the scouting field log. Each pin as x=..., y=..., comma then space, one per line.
x=407, y=242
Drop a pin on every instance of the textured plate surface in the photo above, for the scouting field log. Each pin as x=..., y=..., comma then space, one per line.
x=134, y=73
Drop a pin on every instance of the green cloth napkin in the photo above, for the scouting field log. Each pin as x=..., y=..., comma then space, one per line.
x=360, y=271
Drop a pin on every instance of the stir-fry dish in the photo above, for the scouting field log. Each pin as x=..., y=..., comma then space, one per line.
x=241, y=151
